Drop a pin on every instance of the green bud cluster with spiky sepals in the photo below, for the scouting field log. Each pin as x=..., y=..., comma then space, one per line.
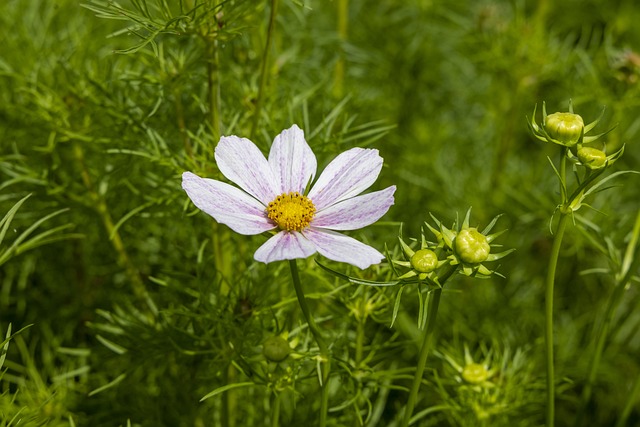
x=564, y=128
x=459, y=245
x=468, y=247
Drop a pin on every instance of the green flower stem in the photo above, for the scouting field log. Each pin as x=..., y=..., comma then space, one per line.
x=434, y=302
x=359, y=341
x=275, y=410
x=322, y=345
x=343, y=28
x=551, y=275
x=213, y=83
x=622, y=279
x=631, y=402
x=563, y=175
x=264, y=67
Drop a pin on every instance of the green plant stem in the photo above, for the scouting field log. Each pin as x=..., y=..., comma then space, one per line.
x=631, y=401
x=361, y=318
x=343, y=28
x=213, y=83
x=628, y=266
x=434, y=302
x=275, y=410
x=322, y=345
x=264, y=67
x=551, y=275
x=359, y=341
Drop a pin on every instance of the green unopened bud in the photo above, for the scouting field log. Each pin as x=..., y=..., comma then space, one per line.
x=424, y=261
x=475, y=373
x=592, y=158
x=276, y=349
x=472, y=246
x=565, y=128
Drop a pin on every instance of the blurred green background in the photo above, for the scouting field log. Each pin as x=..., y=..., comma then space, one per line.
x=138, y=305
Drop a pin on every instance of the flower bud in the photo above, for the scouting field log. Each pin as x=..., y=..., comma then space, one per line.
x=565, y=128
x=592, y=158
x=424, y=261
x=472, y=246
x=475, y=373
x=276, y=349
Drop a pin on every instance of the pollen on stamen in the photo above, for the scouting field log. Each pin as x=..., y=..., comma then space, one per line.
x=291, y=211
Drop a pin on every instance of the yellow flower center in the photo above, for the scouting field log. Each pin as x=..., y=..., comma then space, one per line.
x=292, y=211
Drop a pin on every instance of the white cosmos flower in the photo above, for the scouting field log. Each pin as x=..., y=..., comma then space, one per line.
x=271, y=197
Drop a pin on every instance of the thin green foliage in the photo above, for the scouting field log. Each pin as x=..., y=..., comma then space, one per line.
x=135, y=295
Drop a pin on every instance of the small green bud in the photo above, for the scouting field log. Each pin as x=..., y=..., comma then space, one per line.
x=276, y=349
x=592, y=158
x=565, y=128
x=472, y=246
x=475, y=373
x=424, y=261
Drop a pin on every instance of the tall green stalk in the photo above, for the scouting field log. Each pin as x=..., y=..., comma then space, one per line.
x=425, y=349
x=343, y=29
x=551, y=275
x=317, y=335
x=264, y=66
x=565, y=213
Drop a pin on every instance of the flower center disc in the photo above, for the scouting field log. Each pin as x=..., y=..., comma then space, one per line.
x=292, y=211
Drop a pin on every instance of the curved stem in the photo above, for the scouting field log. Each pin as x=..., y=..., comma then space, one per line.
x=434, y=302
x=264, y=66
x=322, y=345
x=551, y=275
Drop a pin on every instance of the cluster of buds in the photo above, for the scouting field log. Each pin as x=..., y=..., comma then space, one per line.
x=460, y=246
x=568, y=130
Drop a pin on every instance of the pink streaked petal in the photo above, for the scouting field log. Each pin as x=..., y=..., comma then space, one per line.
x=346, y=176
x=285, y=245
x=227, y=204
x=242, y=162
x=356, y=212
x=292, y=161
x=341, y=248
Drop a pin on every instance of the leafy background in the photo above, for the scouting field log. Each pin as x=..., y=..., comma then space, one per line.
x=136, y=305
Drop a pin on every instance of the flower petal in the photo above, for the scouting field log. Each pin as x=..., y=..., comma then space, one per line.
x=339, y=247
x=346, y=176
x=227, y=204
x=356, y=212
x=242, y=162
x=292, y=161
x=285, y=245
